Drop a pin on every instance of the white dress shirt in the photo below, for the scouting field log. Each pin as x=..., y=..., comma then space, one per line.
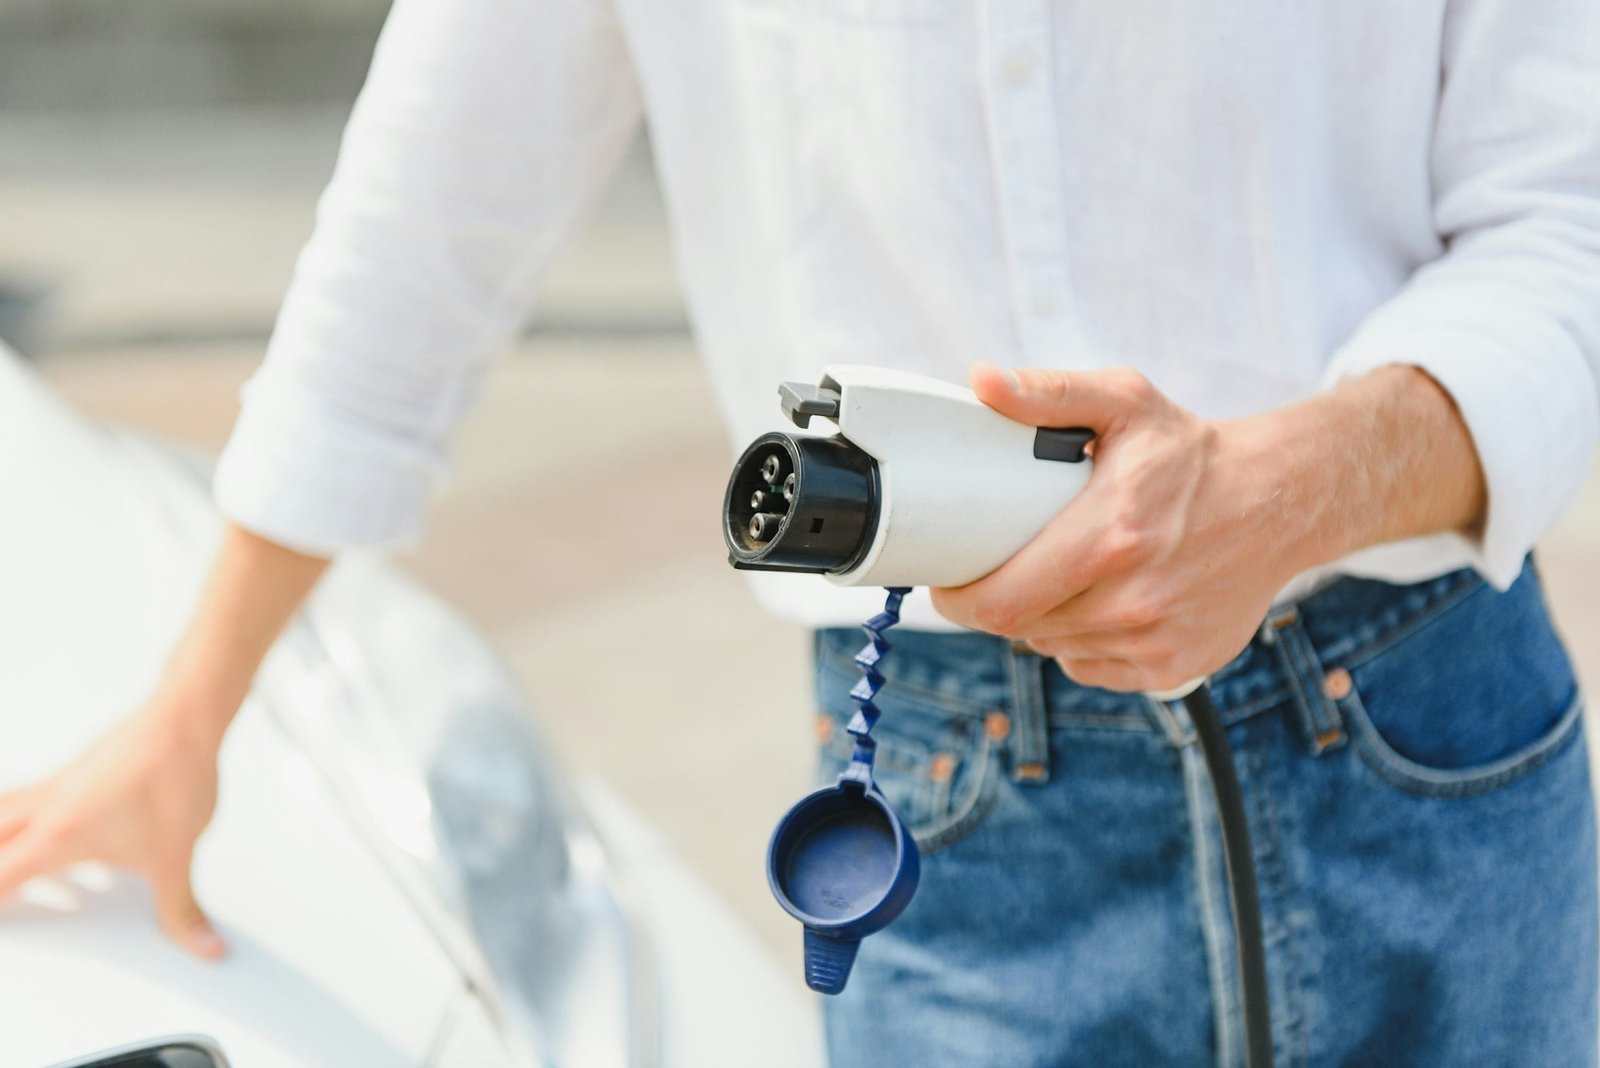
x=1246, y=201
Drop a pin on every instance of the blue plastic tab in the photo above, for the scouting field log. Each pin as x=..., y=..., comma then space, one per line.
x=828, y=961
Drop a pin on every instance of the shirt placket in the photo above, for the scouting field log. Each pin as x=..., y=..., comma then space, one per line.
x=1026, y=159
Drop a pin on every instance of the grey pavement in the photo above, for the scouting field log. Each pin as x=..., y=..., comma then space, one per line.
x=580, y=529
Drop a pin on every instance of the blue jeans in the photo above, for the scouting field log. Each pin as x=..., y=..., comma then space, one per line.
x=1418, y=793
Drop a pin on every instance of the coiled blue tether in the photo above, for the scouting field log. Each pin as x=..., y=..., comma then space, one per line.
x=840, y=861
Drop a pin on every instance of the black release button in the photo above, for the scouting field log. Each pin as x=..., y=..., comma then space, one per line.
x=1061, y=443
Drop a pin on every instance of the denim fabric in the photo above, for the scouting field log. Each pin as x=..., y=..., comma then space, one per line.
x=1418, y=792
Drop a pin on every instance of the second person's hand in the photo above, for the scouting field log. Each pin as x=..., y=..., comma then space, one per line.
x=136, y=800
x=140, y=796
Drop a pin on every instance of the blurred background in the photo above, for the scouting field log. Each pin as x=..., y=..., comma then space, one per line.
x=159, y=167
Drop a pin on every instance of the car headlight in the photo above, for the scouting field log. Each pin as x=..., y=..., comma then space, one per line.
x=174, y=1051
x=424, y=739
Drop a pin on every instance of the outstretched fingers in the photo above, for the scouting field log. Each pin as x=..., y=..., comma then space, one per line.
x=178, y=911
x=30, y=853
x=16, y=810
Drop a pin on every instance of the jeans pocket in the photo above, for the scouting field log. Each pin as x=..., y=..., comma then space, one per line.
x=1469, y=701
x=939, y=770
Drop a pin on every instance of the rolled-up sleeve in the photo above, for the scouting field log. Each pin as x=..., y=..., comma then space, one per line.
x=1507, y=321
x=485, y=128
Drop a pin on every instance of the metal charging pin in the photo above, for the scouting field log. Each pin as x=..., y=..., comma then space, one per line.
x=764, y=525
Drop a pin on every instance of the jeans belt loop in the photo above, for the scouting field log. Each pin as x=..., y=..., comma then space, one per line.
x=1320, y=719
x=1172, y=719
x=1030, y=733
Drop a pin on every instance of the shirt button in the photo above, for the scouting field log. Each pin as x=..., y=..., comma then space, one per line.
x=1336, y=684
x=1018, y=66
x=1046, y=302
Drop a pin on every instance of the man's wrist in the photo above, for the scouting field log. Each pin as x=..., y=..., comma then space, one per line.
x=1284, y=477
x=198, y=697
x=1380, y=458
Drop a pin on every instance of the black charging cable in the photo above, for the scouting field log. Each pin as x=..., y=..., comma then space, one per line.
x=1243, y=892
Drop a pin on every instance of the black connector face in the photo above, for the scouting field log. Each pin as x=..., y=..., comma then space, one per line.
x=800, y=503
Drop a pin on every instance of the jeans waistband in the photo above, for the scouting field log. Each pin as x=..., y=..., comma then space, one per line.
x=1293, y=658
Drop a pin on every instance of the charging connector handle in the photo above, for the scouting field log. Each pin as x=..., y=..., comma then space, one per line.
x=1243, y=891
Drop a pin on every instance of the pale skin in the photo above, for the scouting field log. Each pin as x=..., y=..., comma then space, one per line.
x=1158, y=573
x=139, y=798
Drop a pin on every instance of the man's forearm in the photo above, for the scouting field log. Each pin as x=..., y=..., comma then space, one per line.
x=255, y=588
x=1381, y=458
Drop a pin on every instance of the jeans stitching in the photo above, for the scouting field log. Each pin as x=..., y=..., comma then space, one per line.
x=947, y=821
x=957, y=705
x=965, y=816
x=1361, y=652
x=1098, y=721
x=1214, y=925
x=1422, y=781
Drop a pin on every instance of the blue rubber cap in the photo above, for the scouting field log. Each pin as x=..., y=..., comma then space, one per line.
x=843, y=864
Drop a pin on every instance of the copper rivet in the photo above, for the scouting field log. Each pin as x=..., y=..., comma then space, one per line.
x=824, y=730
x=942, y=767
x=1031, y=771
x=1022, y=648
x=1287, y=618
x=1329, y=738
x=997, y=725
x=1336, y=684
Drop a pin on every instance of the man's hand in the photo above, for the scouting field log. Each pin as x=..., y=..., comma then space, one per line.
x=1163, y=567
x=136, y=800
x=140, y=796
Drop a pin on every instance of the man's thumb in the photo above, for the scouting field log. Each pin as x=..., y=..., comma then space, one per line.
x=1095, y=399
x=180, y=914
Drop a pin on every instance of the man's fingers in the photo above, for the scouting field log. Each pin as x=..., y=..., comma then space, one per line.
x=13, y=825
x=1105, y=674
x=1129, y=613
x=1100, y=400
x=1052, y=569
x=180, y=914
x=29, y=854
x=16, y=809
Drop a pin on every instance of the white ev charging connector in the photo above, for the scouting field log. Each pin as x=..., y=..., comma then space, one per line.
x=924, y=485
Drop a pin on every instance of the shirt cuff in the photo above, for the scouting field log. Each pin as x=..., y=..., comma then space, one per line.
x=300, y=472
x=1525, y=394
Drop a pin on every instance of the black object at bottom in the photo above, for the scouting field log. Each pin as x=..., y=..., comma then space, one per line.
x=1243, y=891
x=179, y=1051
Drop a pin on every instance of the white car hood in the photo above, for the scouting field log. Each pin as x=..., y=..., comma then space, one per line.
x=103, y=543
x=329, y=964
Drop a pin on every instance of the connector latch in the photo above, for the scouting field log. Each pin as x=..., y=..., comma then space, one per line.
x=802, y=400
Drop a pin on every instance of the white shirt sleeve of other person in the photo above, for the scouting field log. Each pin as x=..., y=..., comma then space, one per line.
x=1247, y=203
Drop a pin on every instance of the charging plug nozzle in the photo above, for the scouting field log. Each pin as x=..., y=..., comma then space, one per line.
x=800, y=503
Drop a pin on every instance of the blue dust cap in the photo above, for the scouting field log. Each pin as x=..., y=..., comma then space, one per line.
x=843, y=864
